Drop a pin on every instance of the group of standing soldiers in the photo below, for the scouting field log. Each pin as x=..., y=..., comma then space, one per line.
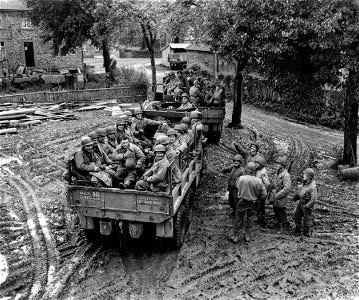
x=250, y=190
x=122, y=156
x=194, y=90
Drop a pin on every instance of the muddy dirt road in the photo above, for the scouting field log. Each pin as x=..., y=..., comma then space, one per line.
x=48, y=257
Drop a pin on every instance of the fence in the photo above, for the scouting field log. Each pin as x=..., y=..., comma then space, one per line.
x=123, y=94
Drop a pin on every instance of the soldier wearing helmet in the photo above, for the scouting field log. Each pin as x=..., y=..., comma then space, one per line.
x=185, y=104
x=282, y=187
x=235, y=170
x=88, y=163
x=195, y=94
x=139, y=124
x=307, y=195
x=250, y=155
x=155, y=178
x=106, y=162
x=250, y=190
x=120, y=128
x=182, y=140
x=171, y=155
x=262, y=173
x=131, y=163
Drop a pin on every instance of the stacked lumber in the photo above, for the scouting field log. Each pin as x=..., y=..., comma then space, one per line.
x=12, y=119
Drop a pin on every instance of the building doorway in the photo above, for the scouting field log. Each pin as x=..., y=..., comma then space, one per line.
x=29, y=54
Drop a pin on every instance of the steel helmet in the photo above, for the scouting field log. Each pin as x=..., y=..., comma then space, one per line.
x=121, y=121
x=261, y=160
x=86, y=140
x=251, y=168
x=199, y=127
x=179, y=128
x=164, y=140
x=310, y=172
x=184, y=127
x=172, y=132
x=127, y=113
x=185, y=95
x=110, y=129
x=101, y=132
x=238, y=157
x=137, y=111
x=282, y=160
x=195, y=114
x=159, y=148
x=186, y=120
x=92, y=135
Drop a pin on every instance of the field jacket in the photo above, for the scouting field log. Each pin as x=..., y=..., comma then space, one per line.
x=283, y=185
x=87, y=161
x=233, y=176
x=157, y=173
x=250, y=188
x=308, y=194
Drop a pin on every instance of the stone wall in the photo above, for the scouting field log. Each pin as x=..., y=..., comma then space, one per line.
x=14, y=35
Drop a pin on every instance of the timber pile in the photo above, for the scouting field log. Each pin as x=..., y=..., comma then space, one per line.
x=12, y=119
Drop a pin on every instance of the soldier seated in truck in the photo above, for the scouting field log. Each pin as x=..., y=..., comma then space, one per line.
x=139, y=125
x=185, y=104
x=98, y=150
x=88, y=164
x=155, y=178
x=171, y=156
x=131, y=165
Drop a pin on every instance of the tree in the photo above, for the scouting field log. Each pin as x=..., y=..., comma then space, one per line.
x=149, y=16
x=233, y=29
x=305, y=45
x=70, y=23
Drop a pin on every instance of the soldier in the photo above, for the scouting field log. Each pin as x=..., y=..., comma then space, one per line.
x=235, y=171
x=120, y=130
x=185, y=104
x=171, y=156
x=250, y=190
x=307, y=195
x=155, y=178
x=195, y=94
x=139, y=125
x=282, y=186
x=131, y=163
x=181, y=138
x=262, y=173
x=88, y=163
x=177, y=144
x=111, y=139
x=249, y=156
x=98, y=150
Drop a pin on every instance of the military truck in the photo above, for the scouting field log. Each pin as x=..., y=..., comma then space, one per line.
x=115, y=212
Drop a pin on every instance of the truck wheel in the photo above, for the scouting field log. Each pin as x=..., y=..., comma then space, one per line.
x=216, y=136
x=91, y=235
x=184, y=66
x=188, y=203
x=179, y=230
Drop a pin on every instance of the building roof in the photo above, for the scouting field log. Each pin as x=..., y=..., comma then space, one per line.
x=17, y=5
x=196, y=47
x=176, y=46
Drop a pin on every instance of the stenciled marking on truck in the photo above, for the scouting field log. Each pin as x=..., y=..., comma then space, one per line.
x=90, y=195
x=148, y=200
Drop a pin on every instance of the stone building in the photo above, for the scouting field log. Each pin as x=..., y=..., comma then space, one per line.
x=20, y=42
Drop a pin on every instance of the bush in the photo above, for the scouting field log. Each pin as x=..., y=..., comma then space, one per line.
x=200, y=70
x=129, y=76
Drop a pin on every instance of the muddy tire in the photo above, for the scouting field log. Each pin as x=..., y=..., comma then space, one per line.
x=188, y=203
x=179, y=230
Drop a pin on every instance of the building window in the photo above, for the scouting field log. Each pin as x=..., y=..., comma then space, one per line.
x=26, y=23
x=2, y=51
x=1, y=21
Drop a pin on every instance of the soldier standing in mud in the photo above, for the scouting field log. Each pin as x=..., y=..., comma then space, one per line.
x=307, y=196
x=249, y=156
x=282, y=186
x=250, y=190
x=235, y=171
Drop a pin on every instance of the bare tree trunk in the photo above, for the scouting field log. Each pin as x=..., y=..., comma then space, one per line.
x=350, y=122
x=237, y=101
x=150, y=40
x=106, y=55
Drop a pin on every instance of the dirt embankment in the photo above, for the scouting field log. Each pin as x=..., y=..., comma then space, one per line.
x=48, y=257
